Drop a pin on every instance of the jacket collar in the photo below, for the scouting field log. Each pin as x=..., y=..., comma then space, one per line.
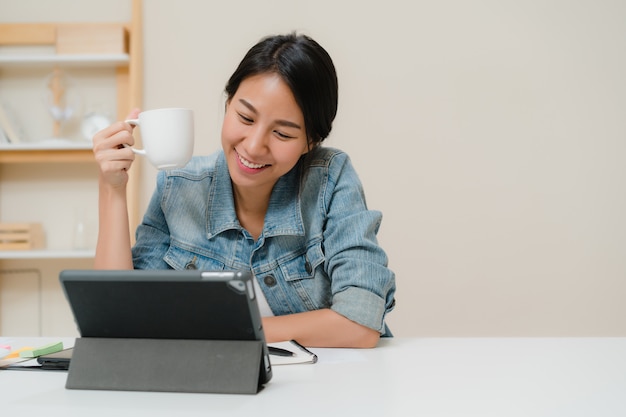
x=283, y=216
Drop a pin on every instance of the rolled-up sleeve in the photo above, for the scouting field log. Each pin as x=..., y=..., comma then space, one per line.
x=362, y=285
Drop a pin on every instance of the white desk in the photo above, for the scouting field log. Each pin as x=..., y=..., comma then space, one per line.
x=506, y=377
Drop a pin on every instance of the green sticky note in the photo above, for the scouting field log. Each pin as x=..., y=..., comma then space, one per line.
x=43, y=350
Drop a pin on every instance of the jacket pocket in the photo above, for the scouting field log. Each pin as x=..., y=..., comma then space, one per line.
x=303, y=266
x=306, y=281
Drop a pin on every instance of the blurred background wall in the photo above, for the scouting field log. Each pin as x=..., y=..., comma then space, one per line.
x=491, y=134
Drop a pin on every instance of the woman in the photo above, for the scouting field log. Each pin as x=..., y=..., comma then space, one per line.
x=273, y=201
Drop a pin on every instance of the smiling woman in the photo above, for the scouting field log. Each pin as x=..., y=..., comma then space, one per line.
x=273, y=201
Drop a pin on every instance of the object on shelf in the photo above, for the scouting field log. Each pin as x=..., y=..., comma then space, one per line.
x=61, y=98
x=91, y=39
x=21, y=236
x=92, y=123
x=10, y=130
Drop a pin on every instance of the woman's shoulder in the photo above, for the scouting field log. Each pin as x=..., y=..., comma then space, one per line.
x=329, y=165
x=325, y=155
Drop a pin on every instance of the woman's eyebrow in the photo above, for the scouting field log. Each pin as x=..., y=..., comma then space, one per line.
x=281, y=122
x=249, y=106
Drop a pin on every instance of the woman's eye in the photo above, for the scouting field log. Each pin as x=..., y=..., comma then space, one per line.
x=245, y=118
x=282, y=135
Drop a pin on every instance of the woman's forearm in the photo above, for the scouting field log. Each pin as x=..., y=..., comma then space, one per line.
x=319, y=328
x=113, y=248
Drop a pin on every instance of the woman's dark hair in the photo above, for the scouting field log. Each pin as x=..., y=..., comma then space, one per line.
x=307, y=69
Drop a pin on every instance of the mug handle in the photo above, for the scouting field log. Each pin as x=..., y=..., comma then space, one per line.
x=134, y=122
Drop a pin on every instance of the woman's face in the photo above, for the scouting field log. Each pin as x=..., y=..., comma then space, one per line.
x=263, y=134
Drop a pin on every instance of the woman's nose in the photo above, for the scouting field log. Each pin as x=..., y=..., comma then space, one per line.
x=256, y=141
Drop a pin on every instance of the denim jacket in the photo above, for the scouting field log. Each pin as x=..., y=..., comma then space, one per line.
x=318, y=248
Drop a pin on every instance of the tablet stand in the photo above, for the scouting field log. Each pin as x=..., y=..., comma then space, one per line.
x=209, y=366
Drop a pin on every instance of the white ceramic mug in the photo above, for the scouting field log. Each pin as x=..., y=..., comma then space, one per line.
x=167, y=136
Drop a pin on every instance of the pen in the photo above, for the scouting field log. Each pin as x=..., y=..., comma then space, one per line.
x=280, y=352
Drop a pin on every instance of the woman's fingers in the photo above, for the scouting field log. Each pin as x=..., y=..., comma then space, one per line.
x=134, y=113
x=113, y=154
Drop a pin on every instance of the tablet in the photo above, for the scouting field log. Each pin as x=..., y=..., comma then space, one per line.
x=165, y=304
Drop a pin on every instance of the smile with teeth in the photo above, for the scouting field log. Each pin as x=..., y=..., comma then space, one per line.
x=249, y=164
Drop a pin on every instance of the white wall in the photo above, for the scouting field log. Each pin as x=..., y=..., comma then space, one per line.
x=490, y=133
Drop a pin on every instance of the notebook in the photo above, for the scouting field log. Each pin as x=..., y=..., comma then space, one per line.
x=290, y=352
x=166, y=304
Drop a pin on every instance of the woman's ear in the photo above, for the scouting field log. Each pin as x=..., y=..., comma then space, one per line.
x=310, y=145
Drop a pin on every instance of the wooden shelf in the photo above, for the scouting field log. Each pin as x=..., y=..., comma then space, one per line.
x=94, y=60
x=12, y=154
x=48, y=254
x=116, y=47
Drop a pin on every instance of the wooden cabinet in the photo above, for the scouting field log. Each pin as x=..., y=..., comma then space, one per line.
x=107, y=54
x=53, y=183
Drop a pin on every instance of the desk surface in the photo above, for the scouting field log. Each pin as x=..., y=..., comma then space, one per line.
x=505, y=377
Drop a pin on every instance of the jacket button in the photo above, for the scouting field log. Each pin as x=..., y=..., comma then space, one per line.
x=307, y=266
x=269, y=280
x=191, y=265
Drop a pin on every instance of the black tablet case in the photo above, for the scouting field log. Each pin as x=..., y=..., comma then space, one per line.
x=181, y=331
